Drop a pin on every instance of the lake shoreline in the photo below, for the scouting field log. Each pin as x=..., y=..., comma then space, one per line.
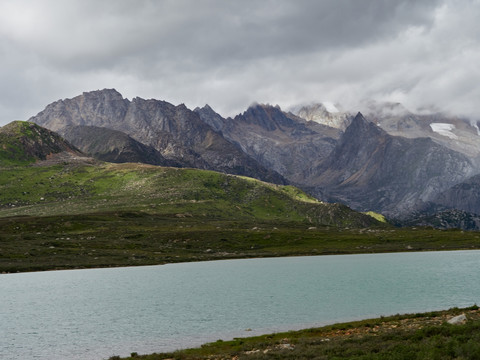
x=250, y=256
x=331, y=338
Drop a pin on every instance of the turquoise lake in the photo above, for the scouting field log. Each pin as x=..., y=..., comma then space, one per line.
x=97, y=313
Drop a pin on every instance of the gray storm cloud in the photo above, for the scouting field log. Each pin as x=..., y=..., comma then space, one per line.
x=232, y=53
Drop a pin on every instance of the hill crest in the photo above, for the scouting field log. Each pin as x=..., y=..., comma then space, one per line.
x=23, y=142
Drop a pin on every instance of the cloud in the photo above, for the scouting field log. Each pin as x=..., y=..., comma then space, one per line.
x=232, y=53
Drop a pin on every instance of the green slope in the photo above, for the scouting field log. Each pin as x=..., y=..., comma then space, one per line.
x=23, y=143
x=67, y=189
x=76, y=215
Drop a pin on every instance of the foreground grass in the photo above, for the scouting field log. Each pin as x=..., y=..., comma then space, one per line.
x=141, y=238
x=414, y=336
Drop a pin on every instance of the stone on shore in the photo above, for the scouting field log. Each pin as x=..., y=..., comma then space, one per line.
x=457, y=320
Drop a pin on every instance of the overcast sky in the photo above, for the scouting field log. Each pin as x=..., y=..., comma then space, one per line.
x=231, y=53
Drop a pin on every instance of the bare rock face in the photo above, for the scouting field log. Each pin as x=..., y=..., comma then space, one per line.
x=114, y=146
x=372, y=170
x=105, y=108
x=280, y=141
x=456, y=133
x=175, y=131
x=320, y=113
x=364, y=167
x=210, y=117
x=463, y=196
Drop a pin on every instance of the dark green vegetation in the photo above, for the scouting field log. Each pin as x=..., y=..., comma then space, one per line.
x=73, y=216
x=76, y=215
x=417, y=336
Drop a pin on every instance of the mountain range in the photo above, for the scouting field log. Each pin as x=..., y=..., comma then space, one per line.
x=177, y=133
x=407, y=166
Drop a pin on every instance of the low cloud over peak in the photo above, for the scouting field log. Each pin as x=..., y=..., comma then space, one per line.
x=230, y=53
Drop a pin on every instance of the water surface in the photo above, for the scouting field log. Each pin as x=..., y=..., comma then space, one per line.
x=97, y=313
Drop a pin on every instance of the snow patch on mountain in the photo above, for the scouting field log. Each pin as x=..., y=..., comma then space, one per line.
x=475, y=125
x=444, y=129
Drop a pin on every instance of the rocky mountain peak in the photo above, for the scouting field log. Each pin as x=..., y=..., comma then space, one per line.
x=367, y=162
x=328, y=115
x=100, y=107
x=210, y=117
x=359, y=118
x=361, y=128
x=371, y=169
x=356, y=146
x=175, y=132
x=106, y=94
x=268, y=117
x=206, y=110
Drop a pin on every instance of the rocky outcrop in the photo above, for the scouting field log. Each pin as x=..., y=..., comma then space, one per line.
x=463, y=196
x=210, y=117
x=458, y=320
x=175, y=131
x=26, y=142
x=446, y=219
x=454, y=132
x=113, y=146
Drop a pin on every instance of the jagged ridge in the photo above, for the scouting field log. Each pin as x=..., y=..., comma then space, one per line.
x=278, y=140
x=363, y=166
x=372, y=170
x=175, y=131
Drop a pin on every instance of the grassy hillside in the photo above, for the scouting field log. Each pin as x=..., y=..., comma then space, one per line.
x=23, y=143
x=76, y=215
x=66, y=189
